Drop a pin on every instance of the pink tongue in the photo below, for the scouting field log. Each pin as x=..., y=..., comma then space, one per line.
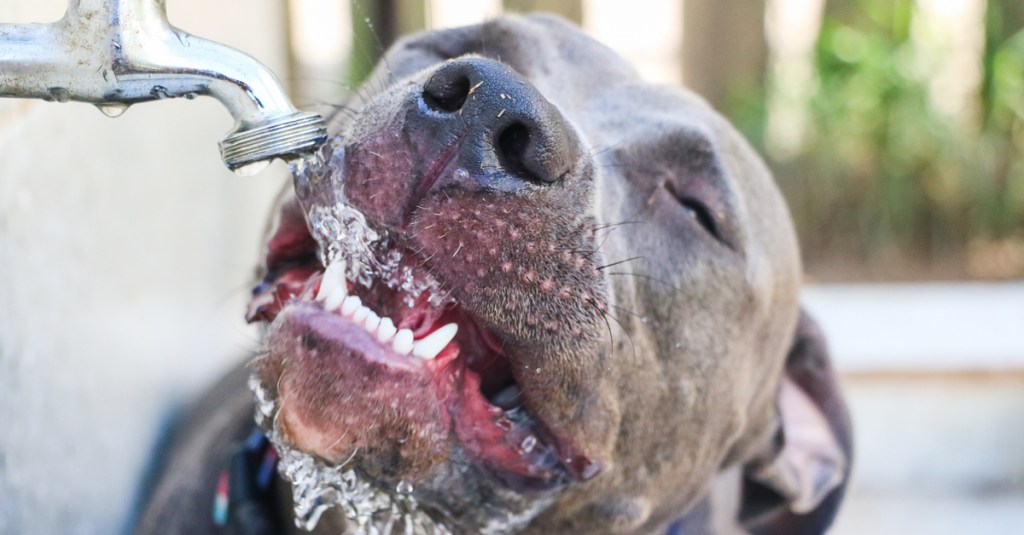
x=421, y=319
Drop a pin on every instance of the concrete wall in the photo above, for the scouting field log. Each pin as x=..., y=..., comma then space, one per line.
x=934, y=377
x=126, y=252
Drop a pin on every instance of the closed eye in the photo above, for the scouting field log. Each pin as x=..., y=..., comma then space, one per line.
x=699, y=212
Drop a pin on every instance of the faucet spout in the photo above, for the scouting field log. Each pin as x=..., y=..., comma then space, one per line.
x=114, y=53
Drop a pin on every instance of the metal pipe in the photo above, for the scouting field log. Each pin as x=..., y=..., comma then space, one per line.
x=115, y=53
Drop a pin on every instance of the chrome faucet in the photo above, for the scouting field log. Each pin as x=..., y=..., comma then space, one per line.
x=114, y=53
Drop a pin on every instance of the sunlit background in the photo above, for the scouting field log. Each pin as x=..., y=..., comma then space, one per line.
x=895, y=128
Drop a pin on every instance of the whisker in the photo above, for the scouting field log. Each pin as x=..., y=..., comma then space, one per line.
x=629, y=337
x=613, y=264
x=606, y=226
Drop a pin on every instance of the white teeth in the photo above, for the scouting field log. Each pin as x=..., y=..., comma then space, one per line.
x=386, y=330
x=333, y=299
x=333, y=286
x=336, y=271
x=372, y=322
x=333, y=294
x=429, y=347
x=333, y=281
x=402, y=344
x=350, y=305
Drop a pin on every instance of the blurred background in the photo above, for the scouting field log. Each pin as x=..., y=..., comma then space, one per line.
x=895, y=129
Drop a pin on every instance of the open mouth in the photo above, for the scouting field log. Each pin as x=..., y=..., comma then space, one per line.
x=406, y=367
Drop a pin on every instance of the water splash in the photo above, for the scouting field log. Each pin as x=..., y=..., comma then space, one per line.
x=317, y=487
x=342, y=233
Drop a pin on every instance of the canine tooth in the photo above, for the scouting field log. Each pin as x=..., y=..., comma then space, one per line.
x=372, y=322
x=326, y=289
x=335, y=298
x=386, y=330
x=350, y=305
x=336, y=271
x=321, y=294
x=361, y=314
x=402, y=344
x=429, y=347
x=333, y=281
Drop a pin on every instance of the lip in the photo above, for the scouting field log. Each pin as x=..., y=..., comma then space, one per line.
x=445, y=397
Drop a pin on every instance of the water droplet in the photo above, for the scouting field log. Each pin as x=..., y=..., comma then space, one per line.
x=461, y=174
x=528, y=444
x=252, y=168
x=113, y=109
x=404, y=487
x=59, y=94
x=191, y=96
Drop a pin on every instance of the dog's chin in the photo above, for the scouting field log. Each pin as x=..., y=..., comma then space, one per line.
x=318, y=487
x=438, y=409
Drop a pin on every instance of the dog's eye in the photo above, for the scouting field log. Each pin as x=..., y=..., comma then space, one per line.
x=700, y=213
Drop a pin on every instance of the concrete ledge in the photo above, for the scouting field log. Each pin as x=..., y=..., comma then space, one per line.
x=951, y=327
x=899, y=513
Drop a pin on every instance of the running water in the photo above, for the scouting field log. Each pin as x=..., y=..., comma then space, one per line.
x=342, y=233
x=339, y=229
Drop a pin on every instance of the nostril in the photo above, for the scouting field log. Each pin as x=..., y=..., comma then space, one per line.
x=445, y=93
x=512, y=144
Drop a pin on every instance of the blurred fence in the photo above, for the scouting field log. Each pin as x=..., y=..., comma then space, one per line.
x=894, y=126
x=907, y=159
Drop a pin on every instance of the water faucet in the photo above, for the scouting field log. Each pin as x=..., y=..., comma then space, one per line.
x=114, y=53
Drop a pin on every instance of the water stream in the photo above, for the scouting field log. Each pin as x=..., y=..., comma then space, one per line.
x=341, y=231
x=342, y=234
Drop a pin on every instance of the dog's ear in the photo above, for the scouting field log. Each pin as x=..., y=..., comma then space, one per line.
x=796, y=488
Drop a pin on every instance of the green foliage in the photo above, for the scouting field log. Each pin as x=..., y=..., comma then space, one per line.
x=886, y=178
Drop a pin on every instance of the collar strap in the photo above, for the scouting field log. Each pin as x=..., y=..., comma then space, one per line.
x=243, y=503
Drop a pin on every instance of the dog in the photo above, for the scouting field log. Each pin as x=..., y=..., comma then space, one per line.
x=622, y=350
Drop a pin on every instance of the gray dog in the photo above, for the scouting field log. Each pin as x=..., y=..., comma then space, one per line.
x=619, y=349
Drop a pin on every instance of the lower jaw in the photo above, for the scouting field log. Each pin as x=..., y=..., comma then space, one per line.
x=524, y=481
x=361, y=381
x=320, y=489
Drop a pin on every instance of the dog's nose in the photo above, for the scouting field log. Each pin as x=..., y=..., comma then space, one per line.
x=503, y=126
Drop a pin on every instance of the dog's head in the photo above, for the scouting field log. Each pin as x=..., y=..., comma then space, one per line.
x=621, y=271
